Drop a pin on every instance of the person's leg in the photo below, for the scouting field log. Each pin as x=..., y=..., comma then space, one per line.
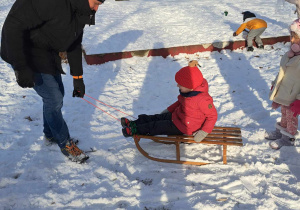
x=292, y=122
x=255, y=33
x=257, y=37
x=283, y=122
x=250, y=38
x=279, y=126
x=50, y=88
x=159, y=127
x=60, y=84
x=288, y=135
x=274, y=134
x=158, y=124
x=143, y=118
x=47, y=131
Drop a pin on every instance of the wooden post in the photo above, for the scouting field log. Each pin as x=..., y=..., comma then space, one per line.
x=224, y=154
x=177, y=151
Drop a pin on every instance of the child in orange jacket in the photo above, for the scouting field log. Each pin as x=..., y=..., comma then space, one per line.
x=256, y=26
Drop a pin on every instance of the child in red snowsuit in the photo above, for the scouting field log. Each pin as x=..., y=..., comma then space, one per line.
x=193, y=113
x=285, y=93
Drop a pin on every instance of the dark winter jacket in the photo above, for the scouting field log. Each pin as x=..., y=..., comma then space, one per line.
x=191, y=114
x=35, y=31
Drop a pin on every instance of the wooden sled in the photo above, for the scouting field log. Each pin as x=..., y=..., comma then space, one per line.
x=226, y=136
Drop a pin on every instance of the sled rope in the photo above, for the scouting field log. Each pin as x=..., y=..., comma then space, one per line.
x=101, y=110
x=108, y=106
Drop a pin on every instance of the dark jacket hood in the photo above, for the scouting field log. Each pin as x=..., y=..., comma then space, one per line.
x=247, y=14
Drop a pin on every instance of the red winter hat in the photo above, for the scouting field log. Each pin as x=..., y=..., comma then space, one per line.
x=189, y=77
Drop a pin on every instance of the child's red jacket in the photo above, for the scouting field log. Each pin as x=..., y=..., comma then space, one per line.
x=191, y=114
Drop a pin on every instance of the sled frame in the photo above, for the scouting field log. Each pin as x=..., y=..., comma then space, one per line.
x=225, y=136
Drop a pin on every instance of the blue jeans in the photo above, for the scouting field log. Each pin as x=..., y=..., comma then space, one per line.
x=51, y=89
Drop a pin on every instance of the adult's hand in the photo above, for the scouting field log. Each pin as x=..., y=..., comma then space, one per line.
x=79, y=88
x=25, y=78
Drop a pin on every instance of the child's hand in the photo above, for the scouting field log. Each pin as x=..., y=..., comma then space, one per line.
x=199, y=135
x=234, y=34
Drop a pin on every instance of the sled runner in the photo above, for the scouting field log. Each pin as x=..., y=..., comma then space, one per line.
x=225, y=136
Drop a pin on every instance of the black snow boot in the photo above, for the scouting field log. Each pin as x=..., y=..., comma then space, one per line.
x=250, y=49
x=125, y=122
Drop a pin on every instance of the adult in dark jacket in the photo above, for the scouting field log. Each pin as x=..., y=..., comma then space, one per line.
x=33, y=34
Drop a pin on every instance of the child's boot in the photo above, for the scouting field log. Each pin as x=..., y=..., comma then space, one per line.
x=250, y=49
x=276, y=134
x=261, y=47
x=130, y=131
x=125, y=122
x=127, y=132
x=286, y=140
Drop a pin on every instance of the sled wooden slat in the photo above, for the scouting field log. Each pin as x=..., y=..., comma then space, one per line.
x=225, y=136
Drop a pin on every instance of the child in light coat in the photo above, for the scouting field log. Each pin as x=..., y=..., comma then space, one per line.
x=256, y=27
x=193, y=113
x=285, y=92
x=297, y=3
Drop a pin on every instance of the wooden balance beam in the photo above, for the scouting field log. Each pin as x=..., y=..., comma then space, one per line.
x=226, y=136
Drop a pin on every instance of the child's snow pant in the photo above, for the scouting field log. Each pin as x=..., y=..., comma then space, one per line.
x=255, y=33
x=288, y=120
x=158, y=124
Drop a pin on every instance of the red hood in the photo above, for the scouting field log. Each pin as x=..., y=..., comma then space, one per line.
x=203, y=87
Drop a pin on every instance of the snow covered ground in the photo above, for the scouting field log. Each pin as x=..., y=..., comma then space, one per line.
x=117, y=176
